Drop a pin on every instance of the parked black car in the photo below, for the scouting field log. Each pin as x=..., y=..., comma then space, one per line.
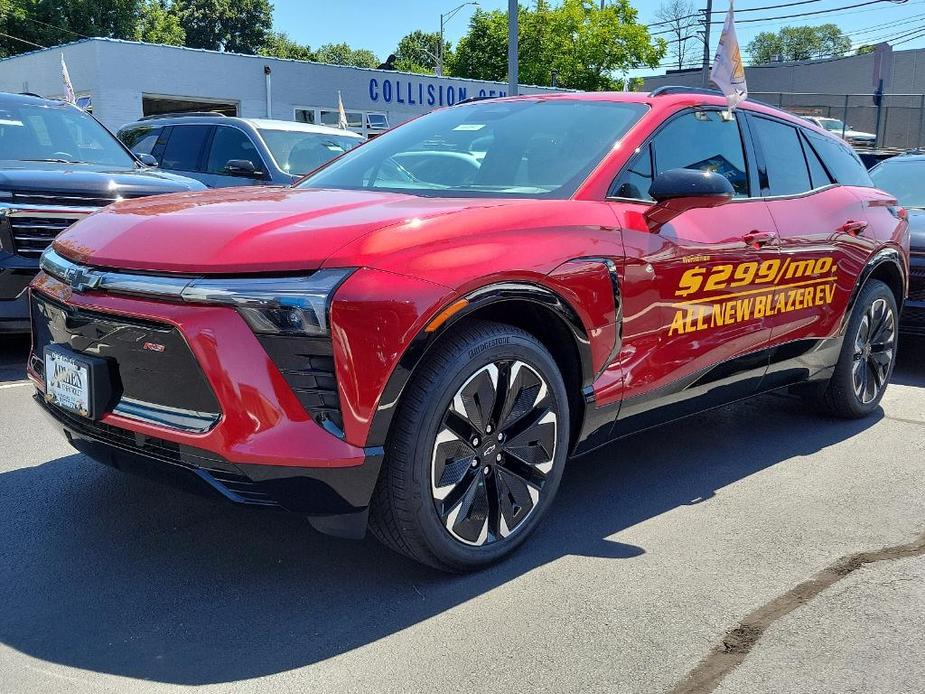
x=226, y=151
x=57, y=165
x=904, y=177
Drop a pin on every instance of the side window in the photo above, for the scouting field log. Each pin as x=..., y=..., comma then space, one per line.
x=699, y=140
x=184, y=147
x=231, y=143
x=785, y=164
x=820, y=177
x=840, y=160
x=636, y=178
x=140, y=140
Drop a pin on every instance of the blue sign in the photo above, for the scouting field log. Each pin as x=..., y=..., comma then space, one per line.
x=418, y=93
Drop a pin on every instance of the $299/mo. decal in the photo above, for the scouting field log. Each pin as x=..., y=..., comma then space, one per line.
x=766, y=288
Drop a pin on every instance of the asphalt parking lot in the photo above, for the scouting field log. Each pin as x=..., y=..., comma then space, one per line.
x=718, y=553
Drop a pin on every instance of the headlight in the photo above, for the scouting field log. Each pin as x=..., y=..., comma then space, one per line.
x=274, y=305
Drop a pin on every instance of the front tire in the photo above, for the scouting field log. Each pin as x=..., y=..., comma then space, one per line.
x=868, y=355
x=476, y=450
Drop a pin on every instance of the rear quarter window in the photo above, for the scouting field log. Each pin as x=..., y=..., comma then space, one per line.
x=840, y=160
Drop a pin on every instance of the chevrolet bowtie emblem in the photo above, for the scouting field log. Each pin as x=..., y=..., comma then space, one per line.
x=82, y=279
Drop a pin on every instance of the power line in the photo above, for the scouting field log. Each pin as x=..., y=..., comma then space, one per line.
x=16, y=38
x=816, y=12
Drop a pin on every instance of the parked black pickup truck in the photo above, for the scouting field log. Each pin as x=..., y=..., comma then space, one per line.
x=57, y=165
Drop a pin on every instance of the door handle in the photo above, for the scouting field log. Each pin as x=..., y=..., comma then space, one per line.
x=853, y=227
x=757, y=239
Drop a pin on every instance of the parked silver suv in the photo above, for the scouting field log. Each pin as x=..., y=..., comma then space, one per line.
x=224, y=151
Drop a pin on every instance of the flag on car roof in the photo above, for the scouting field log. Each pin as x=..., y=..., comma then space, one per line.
x=728, y=72
x=69, y=95
x=341, y=114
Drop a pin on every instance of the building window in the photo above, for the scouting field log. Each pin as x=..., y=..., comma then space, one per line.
x=363, y=122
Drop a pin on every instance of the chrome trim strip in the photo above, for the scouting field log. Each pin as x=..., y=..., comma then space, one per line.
x=85, y=277
x=162, y=415
x=31, y=210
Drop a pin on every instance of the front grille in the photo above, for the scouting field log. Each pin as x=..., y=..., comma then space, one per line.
x=34, y=231
x=917, y=279
x=218, y=472
x=150, y=362
x=307, y=364
x=50, y=198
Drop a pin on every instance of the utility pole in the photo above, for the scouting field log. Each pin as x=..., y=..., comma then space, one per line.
x=707, y=16
x=512, y=47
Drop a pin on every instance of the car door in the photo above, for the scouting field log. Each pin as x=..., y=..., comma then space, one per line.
x=820, y=227
x=694, y=290
x=232, y=144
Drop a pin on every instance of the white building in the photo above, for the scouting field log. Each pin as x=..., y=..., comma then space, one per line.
x=124, y=80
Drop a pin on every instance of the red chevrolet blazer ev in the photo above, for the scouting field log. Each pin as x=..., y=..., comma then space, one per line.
x=417, y=336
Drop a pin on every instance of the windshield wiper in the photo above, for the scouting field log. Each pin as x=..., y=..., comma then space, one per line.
x=58, y=161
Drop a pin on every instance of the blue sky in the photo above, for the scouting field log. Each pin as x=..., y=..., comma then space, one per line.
x=379, y=25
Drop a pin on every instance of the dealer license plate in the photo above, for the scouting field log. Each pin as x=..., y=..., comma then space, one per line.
x=67, y=382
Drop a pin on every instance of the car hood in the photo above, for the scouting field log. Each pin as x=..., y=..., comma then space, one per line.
x=917, y=228
x=90, y=180
x=237, y=230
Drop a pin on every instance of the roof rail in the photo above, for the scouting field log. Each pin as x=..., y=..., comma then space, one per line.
x=196, y=114
x=671, y=89
x=674, y=89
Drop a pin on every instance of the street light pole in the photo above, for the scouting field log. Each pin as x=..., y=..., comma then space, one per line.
x=444, y=18
x=512, y=76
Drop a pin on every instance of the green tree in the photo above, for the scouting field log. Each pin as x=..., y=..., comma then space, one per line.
x=342, y=54
x=279, y=45
x=798, y=43
x=159, y=23
x=52, y=22
x=417, y=52
x=238, y=26
x=865, y=49
x=588, y=47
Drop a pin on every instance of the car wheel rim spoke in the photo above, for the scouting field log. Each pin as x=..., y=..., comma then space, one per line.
x=494, y=452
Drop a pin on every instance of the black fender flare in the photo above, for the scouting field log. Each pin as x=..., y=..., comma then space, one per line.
x=883, y=256
x=477, y=299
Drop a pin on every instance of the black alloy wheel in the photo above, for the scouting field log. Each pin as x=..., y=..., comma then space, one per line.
x=476, y=450
x=493, y=452
x=868, y=355
x=874, y=351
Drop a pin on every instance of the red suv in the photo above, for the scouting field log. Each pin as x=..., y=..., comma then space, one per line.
x=418, y=335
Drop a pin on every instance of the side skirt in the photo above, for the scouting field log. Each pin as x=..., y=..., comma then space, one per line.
x=776, y=368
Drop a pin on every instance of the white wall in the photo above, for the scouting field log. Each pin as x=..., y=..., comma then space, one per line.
x=117, y=73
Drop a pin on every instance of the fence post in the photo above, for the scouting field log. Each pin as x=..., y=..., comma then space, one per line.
x=844, y=117
x=918, y=140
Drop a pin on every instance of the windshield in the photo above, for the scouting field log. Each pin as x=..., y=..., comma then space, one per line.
x=298, y=152
x=832, y=124
x=56, y=132
x=904, y=179
x=523, y=148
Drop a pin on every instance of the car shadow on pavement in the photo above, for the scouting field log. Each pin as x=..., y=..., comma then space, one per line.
x=14, y=351
x=118, y=575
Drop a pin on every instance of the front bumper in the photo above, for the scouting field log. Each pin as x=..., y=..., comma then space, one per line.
x=263, y=448
x=336, y=500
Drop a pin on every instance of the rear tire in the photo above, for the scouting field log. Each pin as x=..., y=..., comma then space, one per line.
x=867, y=357
x=476, y=450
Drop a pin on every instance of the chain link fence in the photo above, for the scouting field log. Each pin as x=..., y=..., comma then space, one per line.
x=899, y=121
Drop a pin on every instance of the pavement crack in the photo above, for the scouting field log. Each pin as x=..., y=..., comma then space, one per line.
x=738, y=642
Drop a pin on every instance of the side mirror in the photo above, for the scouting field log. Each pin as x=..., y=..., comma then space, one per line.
x=146, y=159
x=678, y=190
x=242, y=167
